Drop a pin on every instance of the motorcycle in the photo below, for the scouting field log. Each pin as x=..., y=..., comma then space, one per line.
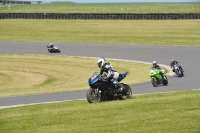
x=55, y=49
x=102, y=89
x=178, y=70
x=156, y=78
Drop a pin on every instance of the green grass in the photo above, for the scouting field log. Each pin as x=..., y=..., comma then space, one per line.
x=32, y=74
x=68, y=7
x=159, y=32
x=151, y=113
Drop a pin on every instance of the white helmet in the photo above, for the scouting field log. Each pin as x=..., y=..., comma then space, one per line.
x=154, y=63
x=51, y=44
x=101, y=62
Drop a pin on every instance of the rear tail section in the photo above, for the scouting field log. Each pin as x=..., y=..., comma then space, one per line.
x=122, y=76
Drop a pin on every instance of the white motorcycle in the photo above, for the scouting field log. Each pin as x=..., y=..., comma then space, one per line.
x=54, y=49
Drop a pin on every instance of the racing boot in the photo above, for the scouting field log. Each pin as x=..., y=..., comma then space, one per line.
x=162, y=80
x=119, y=88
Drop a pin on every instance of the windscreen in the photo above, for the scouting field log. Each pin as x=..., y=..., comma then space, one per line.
x=95, y=74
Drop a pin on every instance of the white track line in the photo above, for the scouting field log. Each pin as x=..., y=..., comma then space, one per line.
x=170, y=73
x=20, y=105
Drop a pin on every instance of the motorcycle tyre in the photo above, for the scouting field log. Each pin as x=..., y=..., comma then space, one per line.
x=88, y=95
x=165, y=81
x=128, y=89
x=50, y=50
x=180, y=73
x=153, y=81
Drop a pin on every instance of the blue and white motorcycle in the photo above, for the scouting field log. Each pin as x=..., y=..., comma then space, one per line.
x=102, y=89
x=178, y=70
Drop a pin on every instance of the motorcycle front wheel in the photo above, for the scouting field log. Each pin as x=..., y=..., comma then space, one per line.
x=154, y=82
x=180, y=73
x=50, y=51
x=165, y=82
x=93, y=96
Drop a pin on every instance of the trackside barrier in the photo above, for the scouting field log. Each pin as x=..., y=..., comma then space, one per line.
x=98, y=16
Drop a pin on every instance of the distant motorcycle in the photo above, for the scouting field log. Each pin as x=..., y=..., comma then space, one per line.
x=102, y=89
x=54, y=49
x=156, y=78
x=178, y=70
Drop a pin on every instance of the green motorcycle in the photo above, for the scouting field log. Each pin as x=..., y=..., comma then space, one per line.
x=156, y=78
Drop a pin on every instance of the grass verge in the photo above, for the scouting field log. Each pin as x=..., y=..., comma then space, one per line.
x=153, y=113
x=34, y=74
x=158, y=32
x=69, y=7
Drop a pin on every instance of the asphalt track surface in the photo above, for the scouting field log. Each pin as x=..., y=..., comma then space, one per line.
x=189, y=58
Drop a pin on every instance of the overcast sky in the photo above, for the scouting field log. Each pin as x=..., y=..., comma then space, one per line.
x=107, y=1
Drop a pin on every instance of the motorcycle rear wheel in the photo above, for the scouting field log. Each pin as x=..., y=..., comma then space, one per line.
x=127, y=92
x=92, y=96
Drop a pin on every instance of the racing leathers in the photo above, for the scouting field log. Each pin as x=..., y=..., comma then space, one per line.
x=156, y=66
x=51, y=46
x=112, y=74
x=174, y=63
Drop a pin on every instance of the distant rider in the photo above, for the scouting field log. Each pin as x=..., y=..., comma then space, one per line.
x=174, y=62
x=156, y=66
x=112, y=75
x=51, y=46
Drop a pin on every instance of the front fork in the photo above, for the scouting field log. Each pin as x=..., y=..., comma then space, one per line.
x=97, y=92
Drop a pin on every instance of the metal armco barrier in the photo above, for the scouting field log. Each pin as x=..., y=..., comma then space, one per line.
x=98, y=16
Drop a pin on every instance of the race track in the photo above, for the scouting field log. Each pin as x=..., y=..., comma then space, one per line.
x=188, y=56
